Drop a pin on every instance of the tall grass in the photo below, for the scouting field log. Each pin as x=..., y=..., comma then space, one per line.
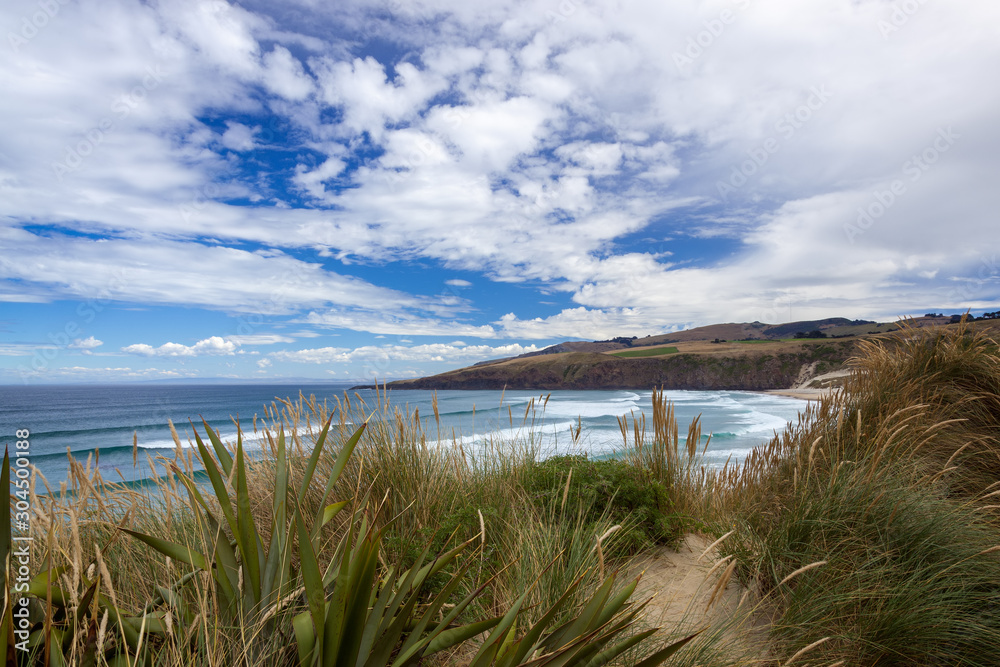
x=188, y=590
x=869, y=528
x=866, y=533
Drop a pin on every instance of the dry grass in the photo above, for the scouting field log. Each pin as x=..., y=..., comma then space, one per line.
x=472, y=494
x=867, y=531
x=887, y=483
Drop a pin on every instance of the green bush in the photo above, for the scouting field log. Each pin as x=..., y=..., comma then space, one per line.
x=458, y=525
x=610, y=489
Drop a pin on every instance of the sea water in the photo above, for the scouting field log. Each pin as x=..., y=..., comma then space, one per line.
x=84, y=420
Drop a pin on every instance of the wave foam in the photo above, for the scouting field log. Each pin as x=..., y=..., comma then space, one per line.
x=756, y=421
x=189, y=443
x=591, y=409
x=506, y=435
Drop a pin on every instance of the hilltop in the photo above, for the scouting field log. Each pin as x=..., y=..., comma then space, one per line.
x=733, y=356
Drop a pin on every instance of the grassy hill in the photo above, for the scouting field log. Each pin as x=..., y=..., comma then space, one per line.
x=735, y=356
x=683, y=365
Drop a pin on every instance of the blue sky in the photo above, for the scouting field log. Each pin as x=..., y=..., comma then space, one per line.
x=199, y=188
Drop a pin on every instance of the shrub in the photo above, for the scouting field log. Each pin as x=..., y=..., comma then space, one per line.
x=609, y=488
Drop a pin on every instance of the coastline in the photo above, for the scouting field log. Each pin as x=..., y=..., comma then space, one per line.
x=801, y=393
x=816, y=388
x=804, y=393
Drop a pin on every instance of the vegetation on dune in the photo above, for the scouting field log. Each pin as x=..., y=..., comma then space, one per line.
x=610, y=489
x=868, y=533
x=871, y=527
x=311, y=554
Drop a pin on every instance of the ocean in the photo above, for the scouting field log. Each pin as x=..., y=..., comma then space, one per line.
x=85, y=419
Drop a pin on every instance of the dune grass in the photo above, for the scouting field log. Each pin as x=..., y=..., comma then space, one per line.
x=481, y=557
x=887, y=490
x=868, y=533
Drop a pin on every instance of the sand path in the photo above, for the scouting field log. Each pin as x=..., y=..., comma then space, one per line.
x=682, y=584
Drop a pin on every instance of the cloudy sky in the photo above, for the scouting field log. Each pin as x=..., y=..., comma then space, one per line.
x=340, y=190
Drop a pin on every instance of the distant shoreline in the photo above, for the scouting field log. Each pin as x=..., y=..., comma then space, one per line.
x=805, y=394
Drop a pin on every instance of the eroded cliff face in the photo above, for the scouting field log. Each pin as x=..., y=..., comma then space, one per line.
x=754, y=371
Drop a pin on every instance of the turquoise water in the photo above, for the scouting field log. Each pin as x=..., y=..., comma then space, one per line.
x=86, y=419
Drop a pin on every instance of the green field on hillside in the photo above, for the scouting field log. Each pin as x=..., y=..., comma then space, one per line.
x=652, y=352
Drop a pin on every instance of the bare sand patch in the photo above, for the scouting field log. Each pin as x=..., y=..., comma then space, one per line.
x=805, y=394
x=815, y=388
x=682, y=584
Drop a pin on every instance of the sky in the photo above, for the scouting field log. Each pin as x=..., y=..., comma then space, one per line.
x=347, y=190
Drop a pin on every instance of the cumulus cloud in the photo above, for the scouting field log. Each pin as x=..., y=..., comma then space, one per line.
x=362, y=90
x=507, y=143
x=284, y=75
x=312, y=181
x=213, y=346
x=239, y=137
x=85, y=344
x=436, y=352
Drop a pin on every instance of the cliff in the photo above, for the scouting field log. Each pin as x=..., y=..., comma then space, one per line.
x=737, y=356
x=733, y=366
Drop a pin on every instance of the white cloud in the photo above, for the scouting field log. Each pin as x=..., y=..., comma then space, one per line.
x=490, y=135
x=368, y=99
x=260, y=339
x=582, y=323
x=402, y=325
x=239, y=137
x=433, y=352
x=458, y=282
x=319, y=355
x=263, y=282
x=223, y=34
x=28, y=349
x=599, y=159
x=86, y=344
x=22, y=349
x=504, y=142
x=312, y=181
x=91, y=373
x=284, y=75
x=213, y=346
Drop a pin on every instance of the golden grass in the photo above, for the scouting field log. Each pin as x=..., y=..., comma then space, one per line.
x=908, y=445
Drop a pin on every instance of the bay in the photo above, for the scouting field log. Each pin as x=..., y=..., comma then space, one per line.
x=84, y=419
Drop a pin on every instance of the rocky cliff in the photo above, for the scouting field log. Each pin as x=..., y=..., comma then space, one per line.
x=751, y=369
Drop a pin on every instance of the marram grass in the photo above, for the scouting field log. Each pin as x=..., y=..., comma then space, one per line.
x=868, y=533
x=323, y=551
x=887, y=485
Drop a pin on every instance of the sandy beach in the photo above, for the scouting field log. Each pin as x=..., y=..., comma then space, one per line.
x=814, y=388
x=804, y=393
